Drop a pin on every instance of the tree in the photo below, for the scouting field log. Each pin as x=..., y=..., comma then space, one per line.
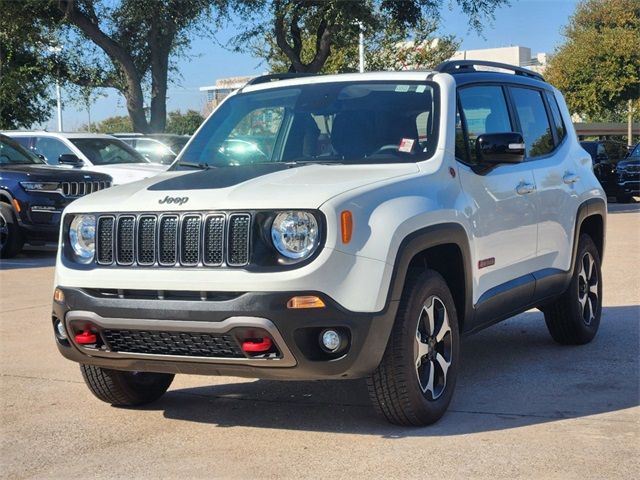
x=25, y=67
x=183, y=123
x=389, y=48
x=598, y=67
x=117, y=124
x=306, y=31
x=129, y=45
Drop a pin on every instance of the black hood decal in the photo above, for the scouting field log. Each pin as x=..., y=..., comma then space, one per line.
x=221, y=177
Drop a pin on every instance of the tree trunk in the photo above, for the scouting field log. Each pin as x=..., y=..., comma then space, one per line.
x=159, y=48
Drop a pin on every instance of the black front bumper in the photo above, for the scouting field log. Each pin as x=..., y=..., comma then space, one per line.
x=296, y=332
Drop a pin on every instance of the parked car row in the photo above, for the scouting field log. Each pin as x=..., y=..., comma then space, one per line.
x=617, y=168
x=42, y=172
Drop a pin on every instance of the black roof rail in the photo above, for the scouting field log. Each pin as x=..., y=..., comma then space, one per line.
x=465, y=66
x=277, y=76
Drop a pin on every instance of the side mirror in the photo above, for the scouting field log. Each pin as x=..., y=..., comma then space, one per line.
x=499, y=148
x=70, y=159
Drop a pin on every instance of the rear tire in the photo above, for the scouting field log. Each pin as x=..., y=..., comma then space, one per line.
x=11, y=237
x=415, y=380
x=574, y=318
x=125, y=389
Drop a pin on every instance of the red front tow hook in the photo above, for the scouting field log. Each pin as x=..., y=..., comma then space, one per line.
x=86, y=338
x=257, y=345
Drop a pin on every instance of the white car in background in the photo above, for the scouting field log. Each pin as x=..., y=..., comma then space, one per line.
x=95, y=152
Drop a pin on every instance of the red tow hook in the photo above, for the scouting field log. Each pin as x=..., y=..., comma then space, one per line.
x=256, y=346
x=86, y=338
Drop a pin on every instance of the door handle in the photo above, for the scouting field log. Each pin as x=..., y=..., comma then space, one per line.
x=570, y=178
x=525, y=188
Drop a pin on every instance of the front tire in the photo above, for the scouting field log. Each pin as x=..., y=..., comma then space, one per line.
x=125, y=389
x=11, y=238
x=415, y=380
x=574, y=318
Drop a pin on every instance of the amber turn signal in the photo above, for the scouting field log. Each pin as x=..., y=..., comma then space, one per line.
x=58, y=296
x=308, y=301
x=16, y=205
x=346, y=225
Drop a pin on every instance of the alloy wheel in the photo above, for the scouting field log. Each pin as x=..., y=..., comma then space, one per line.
x=588, y=288
x=433, y=352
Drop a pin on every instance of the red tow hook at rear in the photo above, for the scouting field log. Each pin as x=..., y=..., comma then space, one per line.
x=257, y=345
x=86, y=338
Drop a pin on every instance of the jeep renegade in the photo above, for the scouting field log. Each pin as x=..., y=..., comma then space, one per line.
x=339, y=227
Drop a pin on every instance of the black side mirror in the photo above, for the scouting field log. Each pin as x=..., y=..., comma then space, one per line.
x=70, y=159
x=499, y=148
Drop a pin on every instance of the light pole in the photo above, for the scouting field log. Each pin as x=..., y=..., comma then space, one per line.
x=361, y=47
x=56, y=51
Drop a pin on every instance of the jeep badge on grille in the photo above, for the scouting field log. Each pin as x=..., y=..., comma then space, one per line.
x=173, y=200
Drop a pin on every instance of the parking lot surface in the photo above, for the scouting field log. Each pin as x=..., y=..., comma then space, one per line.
x=524, y=406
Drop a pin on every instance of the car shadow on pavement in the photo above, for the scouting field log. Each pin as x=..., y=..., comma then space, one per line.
x=632, y=206
x=30, y=258
x=512, y=375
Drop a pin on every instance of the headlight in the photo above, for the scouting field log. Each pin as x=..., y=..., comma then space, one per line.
x=40, y=186
x=82, y=236
x=295, y=234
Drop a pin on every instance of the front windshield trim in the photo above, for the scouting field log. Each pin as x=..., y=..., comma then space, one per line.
x=194, y=151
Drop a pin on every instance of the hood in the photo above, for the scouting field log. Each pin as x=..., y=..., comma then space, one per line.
x=129, y=172
x=278, y=186
x=42, y=173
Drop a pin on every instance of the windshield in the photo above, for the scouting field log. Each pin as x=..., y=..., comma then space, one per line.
x=373, y=122
x=635, y=153
x=106, y=151
x=11, y=153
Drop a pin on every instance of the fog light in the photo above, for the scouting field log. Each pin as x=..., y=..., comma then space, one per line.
x=60, y=330
x=331, y=340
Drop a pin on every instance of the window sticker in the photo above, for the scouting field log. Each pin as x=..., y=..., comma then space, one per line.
x=421, y=88
x=406, y=145
x=402, y=88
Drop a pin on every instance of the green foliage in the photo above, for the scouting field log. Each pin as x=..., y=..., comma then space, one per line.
x=321, y=35
x=598, y=67
x=117, y=124
x=26, y=67
x=183, y=123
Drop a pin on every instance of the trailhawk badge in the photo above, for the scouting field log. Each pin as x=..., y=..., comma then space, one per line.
x=173, y=200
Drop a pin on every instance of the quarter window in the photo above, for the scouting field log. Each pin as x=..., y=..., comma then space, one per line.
x=557, y=118
x=534, y=123
x=51, y=149
x=485, y=111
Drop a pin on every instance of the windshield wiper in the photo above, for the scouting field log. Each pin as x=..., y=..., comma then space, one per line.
x=200, y=166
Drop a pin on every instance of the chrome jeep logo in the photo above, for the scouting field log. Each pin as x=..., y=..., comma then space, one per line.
x=173, y=200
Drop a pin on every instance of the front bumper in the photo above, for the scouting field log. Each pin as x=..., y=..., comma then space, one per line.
x=630, y=187
x=294, y=332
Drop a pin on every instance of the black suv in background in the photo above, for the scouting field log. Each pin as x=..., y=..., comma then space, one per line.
x=33, y=195
x=616, y=174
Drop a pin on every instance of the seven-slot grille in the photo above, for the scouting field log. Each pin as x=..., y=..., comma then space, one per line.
x=190, y=239
x=78, y=189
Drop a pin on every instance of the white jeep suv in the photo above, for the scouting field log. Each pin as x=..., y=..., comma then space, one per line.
x=337, y=227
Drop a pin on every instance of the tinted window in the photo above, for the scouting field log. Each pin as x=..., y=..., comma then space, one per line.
x=11, y=153
x=534, y=122
x=106, y=151
x=51, y=149
x=485, y=111
x=154, y=151
x=376, y=122
x=557, y=118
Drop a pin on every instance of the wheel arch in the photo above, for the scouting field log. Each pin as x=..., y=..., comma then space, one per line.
x=445, y=249
x=591, y=219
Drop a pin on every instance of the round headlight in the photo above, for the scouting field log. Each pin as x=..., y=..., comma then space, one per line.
x=82, y=236
x=295, y=234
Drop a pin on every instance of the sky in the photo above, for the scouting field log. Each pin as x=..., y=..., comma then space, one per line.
x=536, y=24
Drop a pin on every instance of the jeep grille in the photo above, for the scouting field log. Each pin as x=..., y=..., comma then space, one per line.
x=190, y=239
x=78, y=189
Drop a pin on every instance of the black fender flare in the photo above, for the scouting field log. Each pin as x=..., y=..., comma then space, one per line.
x=424, y=239
x=589, y=208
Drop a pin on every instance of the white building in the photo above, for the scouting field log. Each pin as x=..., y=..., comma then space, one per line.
x=515, y=55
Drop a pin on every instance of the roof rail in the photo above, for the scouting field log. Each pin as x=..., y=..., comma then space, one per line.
x=465, y=66
x=277, y=76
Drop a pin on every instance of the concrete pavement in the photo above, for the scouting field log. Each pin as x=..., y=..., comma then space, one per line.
x=524, y=406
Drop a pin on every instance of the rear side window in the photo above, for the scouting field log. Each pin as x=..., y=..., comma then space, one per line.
x=484, y=110
x=561, y=132
x=534, y=123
